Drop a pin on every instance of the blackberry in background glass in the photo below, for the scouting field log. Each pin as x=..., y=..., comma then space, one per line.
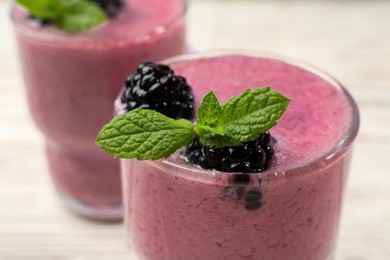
x=249, y=157
x=155, y=86
x=111, y=7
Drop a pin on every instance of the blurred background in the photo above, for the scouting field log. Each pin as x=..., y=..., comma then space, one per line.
x=348, y=39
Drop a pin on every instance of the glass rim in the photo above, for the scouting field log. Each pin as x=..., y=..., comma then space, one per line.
x=325, y=159
x=49, y=36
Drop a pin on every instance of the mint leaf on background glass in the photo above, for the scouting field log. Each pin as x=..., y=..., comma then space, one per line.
x=69, y=15
x=44, y=9
x=80, y=15
x=147, y=134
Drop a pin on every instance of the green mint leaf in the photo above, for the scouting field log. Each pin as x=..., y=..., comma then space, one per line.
x=205, y=129
x=69, y=15
x=209, y=110
x=79, y=15
x=44, y=9
x=209, y=113
x=254, y=112
x=218, y=140
x=145, y=135
x=240, y=119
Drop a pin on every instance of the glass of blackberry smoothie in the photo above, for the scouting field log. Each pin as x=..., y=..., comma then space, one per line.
x=242, y=187
x=72, y=77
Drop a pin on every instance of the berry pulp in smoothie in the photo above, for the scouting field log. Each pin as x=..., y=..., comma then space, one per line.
x=177, y=211
x=72, y=81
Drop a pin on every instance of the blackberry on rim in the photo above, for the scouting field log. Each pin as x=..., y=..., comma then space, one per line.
x=155, y=86
x=111, y=7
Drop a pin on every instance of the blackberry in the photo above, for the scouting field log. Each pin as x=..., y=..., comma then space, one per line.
x=251, y=156
x=234, y=192
x=253, y=205
x=155, y=86
x=111, y=7
x=253, y=196
x=251, y=199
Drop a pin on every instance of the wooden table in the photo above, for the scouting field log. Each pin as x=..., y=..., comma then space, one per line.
x=349, y=39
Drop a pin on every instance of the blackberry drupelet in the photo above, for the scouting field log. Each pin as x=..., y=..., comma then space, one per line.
x=112, y=7
x=250, y=199
x=155, y=86
x=253, y=199
x=252, y=156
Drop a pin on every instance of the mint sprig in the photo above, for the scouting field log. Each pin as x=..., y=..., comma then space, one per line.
x=147, y=134
x=68, y=15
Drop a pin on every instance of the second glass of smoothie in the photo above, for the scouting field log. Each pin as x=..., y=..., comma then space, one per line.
x=72, y=81
x=174, y=210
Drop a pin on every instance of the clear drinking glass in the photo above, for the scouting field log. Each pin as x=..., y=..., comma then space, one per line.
x=71, y=82
x=291, y=211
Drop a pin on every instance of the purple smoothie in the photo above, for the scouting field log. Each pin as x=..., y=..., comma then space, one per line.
x=72, y=81
x=177, y=211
